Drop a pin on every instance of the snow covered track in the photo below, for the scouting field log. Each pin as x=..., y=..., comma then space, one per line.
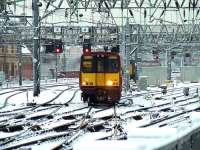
x=58, y=119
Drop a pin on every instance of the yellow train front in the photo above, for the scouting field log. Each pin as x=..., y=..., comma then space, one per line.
x=100, y=78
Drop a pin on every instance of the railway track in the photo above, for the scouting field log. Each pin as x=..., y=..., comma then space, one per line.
x=58, y=125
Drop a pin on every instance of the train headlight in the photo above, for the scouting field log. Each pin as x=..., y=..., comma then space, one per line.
x=83, y=83
x=109, y=83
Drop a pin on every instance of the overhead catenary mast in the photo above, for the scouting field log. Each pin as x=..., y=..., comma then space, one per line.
x=36, y=51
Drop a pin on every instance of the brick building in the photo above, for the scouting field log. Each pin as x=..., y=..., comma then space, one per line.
x=9, y=59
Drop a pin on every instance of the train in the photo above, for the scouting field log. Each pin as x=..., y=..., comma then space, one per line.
x=132, y=70
x=100, y=78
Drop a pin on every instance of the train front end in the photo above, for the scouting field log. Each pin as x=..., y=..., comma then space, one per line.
x=100, y=78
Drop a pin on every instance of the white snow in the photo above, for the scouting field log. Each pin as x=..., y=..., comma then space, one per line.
x=25, y=50
x=137, y=138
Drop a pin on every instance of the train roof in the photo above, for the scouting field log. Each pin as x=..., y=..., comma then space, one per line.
x=100, y=53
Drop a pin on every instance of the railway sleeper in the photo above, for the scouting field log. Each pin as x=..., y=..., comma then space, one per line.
x=69, y=117
x=37, y=141
x=96, y=128
x=36, y=128
x=62, y=128
x=20, y=116
x=38, y=117
x=10, y=129
x=31, y=104
x=107, y=117
x=137, y=117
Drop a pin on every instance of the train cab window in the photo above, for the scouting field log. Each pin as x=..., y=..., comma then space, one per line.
x=113, y=64
x=87, y=64
x=100, y=65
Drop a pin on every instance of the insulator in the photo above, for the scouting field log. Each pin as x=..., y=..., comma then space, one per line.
x=131, y=13
x=106, y=5
x=48, y=5
x=108, y=14
x=145, y=13
x=165, y=5
x=189, y=5
x=66, y=13
x=193, y=4
x=99, y=6
x=197, y=12
x=184, y=13
x=177, y=4
x=122, y=4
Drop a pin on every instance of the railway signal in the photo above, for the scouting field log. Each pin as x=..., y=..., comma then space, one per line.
x=86, y=45
x=58, y=46
x=55, y=46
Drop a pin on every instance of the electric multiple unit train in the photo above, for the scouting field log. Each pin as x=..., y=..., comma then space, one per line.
x=100, y=77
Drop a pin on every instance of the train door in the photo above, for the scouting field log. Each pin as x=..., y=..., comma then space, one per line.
x=100, y=76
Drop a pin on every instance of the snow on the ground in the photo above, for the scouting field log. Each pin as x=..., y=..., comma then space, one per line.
x=137, y=138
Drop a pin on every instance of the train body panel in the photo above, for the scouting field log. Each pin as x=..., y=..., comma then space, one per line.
x=100, y=79
x=112, y=79
x=88, y=79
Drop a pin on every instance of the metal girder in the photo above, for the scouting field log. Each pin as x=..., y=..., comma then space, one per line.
x=136, y=2
x=114, y=3
x=52, y=11
x=156, y=7
x=85, y=3
x=156, y=1
x=167, y=34
x=149, y=36
x=15, y=1
x=182, y=3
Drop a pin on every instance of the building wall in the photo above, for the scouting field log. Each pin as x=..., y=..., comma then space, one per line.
x=72, y=57
x=155, y=75
x=27, y=71
x=190, y=73
x=9, y=60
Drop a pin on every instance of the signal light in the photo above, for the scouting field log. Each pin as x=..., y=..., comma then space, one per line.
x=86, y=50
x=58, y=50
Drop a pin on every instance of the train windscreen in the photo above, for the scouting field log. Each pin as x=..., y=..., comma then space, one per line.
x=87, y=64
x=113, y=64
x=109, y=64
x=100, y=65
